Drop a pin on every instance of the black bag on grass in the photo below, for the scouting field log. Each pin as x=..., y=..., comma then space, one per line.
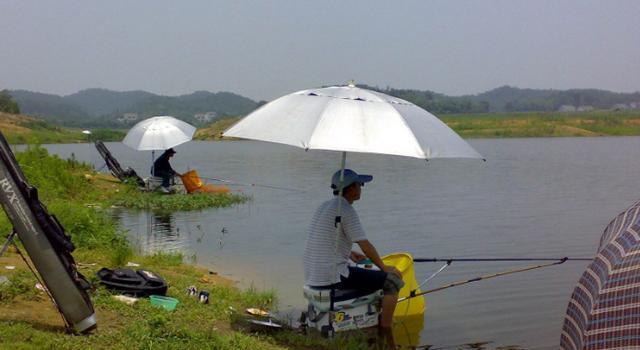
x=141, y=283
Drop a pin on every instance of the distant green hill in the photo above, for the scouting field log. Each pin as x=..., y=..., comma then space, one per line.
x=52, y=108
x=435, y=102
x=186, y=106
x=512, y=99
x=100, y=102
x=103, y=108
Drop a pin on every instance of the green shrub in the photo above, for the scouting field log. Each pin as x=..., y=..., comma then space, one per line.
x=51, y=175
x=64, y=190
x=135, y=199
x=107, y=134
x=21, y=283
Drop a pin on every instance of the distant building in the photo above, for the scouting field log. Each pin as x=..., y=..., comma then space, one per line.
x=205, y=117
x=635, y=105
x=128, y=118
x=585, y=108
x=567, y=108
x=620, y=106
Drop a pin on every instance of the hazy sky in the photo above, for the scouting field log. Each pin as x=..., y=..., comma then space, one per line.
x=264, y=49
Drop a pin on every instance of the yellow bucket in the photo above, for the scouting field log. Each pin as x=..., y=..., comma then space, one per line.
x=406, y=331
x=192, y=183
x=413, y=306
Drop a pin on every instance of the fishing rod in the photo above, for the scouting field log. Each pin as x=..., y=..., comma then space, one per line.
x=413, y=293
x=496, y=259
x=231, y=182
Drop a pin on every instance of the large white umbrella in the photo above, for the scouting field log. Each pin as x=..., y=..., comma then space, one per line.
x=352, y=119
x=159, y=133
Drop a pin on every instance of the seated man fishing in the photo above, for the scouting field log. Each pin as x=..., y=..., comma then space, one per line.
x=321, y=258
x=162, y=168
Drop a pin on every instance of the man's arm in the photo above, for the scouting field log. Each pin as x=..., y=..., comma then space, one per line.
x=171, y=170
x=370, y=251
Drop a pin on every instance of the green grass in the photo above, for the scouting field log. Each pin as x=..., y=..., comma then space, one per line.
x=107, y=135
x=214, y=130
x=20, y=284
x=131, y=197
x=44, y=136
x=545, y=124
x=20, y=129
x=142, y=326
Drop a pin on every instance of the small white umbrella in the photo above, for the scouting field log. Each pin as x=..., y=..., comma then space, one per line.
x=159, y=133
x=352, y=119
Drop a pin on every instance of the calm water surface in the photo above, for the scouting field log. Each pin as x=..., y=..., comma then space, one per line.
x=533, y=197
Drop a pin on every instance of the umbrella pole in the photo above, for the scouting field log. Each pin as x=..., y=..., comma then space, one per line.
x=338, y=224
x=338, y=220
x=153, y=158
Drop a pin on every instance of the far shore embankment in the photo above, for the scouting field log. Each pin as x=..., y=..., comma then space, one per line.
x=511, y=125
x=22, y=129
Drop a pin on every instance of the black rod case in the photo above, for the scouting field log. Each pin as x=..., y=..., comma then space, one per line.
x=46, y=243
x=125, y=175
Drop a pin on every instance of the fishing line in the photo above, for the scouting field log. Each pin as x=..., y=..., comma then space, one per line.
x=413, y=293
x=406, y=311
x=434, y=274
x=231, y=182
x=497, y=259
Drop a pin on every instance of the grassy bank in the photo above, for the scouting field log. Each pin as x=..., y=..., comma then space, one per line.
x=130, y=196
x=504, y=125
x=28, y=320
x=546, y=124
x=26, y=130
x=21, y=129
x=214, y=130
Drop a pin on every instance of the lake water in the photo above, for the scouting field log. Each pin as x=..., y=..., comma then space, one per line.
x=543, y=197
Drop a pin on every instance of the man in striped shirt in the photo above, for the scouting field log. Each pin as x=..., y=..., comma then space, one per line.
x=326, y=261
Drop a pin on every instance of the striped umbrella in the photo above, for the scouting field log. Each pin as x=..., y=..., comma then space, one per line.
x=604, y=310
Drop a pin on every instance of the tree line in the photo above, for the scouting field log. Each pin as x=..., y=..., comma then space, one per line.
x=7, y=104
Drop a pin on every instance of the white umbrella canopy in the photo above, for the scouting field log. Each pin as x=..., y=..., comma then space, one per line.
x=352, y=119
x=158, y=133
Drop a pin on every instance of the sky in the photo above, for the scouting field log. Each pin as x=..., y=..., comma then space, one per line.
x=265, y=49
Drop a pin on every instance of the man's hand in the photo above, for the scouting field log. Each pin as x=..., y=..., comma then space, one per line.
x=393, y=270
x=355, y=256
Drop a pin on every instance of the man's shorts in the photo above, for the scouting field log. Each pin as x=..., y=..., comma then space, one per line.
x=370, y=281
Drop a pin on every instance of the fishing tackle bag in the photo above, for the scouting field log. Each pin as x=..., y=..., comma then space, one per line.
x=140, y=283
x=46, y=243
